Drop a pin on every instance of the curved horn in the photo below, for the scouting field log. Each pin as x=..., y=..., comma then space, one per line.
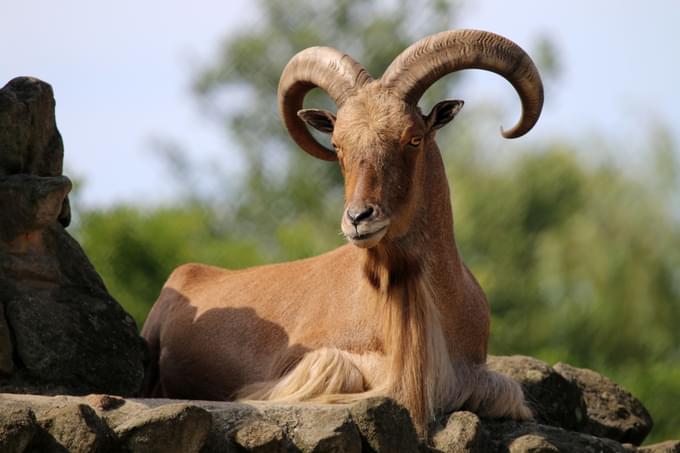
x=334, y=72
x=435, y=56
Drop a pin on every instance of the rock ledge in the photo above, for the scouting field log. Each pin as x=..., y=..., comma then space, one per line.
x=30, y=423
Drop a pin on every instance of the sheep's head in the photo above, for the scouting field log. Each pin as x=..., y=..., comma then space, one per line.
x=379, y=135
x=380, y=142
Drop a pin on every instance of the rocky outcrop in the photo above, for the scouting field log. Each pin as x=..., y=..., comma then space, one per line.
x=62, y=333
x=18, y=426
x=108, y=423
x=611, y=411
x=555, y=400
x=578, y=399
x=60, y=330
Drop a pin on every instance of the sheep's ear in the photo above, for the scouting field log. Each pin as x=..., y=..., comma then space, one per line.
x=443, y=113
x=321, y=120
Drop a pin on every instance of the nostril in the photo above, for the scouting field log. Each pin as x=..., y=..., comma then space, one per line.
x=357, y=215
x=365, y=214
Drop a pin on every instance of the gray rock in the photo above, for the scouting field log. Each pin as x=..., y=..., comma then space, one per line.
x=67, y=336
x=30, y=142
x=173, y=428
x=227, y=419
x=74, y=428
x=6, y=347
x=262, y=436
x=532, y=443
x=60, y=330
x=29, y=139
x=18, y=426
x=462, y=433
x=328, y=431
x=670, y=446
x=141, y=425
x=554, y=400
x=376, y=419
x=611, y=410
x=519, y=437
x=34, y=201
x=317, y=428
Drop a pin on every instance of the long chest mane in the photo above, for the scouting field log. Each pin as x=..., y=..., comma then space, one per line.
x=416, y=350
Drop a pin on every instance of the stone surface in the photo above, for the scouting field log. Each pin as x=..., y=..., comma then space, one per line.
x=228, y=419
x=60, y=330
x=109, y=424
x=6, y=347
x=611, y=410
x=519, y=437
x=317, y=428
x=81, y=340
x=670, y=446
x=75, y=428
x=462, y=432
x=29, y=139
x=30, y=142
x=262, y=436
x=554, y=399
x=34, y=201
x=173, y=428
x=18, y=426
x=532, y=443
x=376, y=419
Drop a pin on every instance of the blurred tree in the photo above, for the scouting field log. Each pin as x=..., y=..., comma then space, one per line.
x=580, y=261
x=135, y=249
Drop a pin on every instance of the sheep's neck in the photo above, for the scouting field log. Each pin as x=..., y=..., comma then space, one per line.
x=415, y=279
x=429, y=249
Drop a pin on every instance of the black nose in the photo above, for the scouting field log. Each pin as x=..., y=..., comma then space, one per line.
x=356, y=215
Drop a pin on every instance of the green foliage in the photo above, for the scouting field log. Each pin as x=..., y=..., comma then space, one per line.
x=580, y=264
x=580, y=260
x=135, y=251
x=579, y=247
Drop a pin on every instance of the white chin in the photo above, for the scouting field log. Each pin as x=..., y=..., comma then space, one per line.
x=368, y=241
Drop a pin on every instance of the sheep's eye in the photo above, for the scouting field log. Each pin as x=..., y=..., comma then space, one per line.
x=415, y=141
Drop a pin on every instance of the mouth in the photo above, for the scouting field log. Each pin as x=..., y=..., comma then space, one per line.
x=367, y=239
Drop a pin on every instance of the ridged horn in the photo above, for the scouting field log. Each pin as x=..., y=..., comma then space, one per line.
x=431, y=58
x=332, y=71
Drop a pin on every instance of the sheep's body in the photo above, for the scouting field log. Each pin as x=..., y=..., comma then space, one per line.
x=271, y=332
x=395, y=313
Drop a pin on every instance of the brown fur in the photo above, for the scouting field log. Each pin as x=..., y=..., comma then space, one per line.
x=395, y=313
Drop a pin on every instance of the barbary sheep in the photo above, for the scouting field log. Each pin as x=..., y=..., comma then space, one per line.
x=395, y=311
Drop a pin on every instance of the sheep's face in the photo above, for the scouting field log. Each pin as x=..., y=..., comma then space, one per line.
x=381, y=144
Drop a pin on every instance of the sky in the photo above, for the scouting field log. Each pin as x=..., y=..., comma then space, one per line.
x=122, y=74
